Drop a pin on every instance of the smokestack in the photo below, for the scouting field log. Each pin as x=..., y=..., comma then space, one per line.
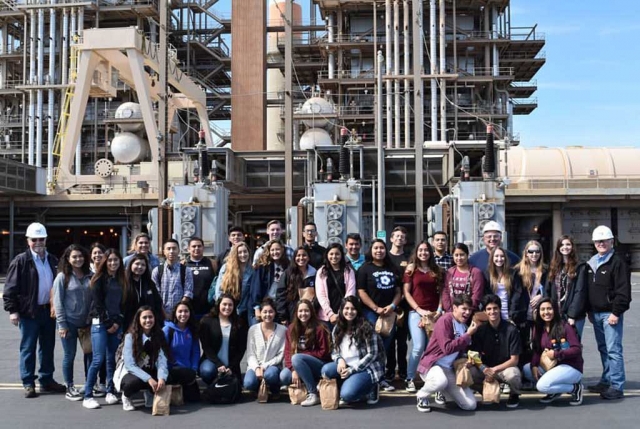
x=489, y=163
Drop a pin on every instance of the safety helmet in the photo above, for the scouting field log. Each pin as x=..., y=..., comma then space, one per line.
x=36, y=230
x=492, y=226
x=602, y=233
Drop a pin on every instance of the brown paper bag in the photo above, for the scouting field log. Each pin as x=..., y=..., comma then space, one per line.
x=384, y=324
x=491, y=392
x=480, y=318
x=546, y=362
x=297, y=394
x=463, y=374
x=429, y=322
x=177, y=398
x=329, y=394
x=162, y=402
x=84, y=336
x=263, y=392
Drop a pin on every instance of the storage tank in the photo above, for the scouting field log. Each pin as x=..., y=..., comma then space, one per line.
x=128, y=148
x=130, y=110
x=317, y=106
x=315, y=137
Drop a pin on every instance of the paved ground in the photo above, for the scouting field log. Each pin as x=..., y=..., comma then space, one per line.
x=396, y=409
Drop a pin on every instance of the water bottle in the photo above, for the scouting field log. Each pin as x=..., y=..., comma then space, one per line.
x=564, y=344
x=554, y=345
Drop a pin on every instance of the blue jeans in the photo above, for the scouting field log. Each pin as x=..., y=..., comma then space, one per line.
x=271, y=375
x=420, y=341
x=40, y=329
x=559, y=379
x=372, y=317
x=580, y=327
x=609, y=340
x=208, y=371
x=352, y=389
x=70, y=346
x=308, y=368
x=104, y=347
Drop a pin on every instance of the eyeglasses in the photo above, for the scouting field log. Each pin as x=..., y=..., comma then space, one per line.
x=310, y=231
x=600, y=241
x=532, y=251
x=37, y=240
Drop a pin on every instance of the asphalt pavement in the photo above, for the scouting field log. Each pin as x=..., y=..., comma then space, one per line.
x=397, y=409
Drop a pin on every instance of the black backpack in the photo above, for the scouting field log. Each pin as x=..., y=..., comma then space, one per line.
x=225, y=390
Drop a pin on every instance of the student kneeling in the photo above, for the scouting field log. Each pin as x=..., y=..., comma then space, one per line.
x=450, y=338
x=498, y=342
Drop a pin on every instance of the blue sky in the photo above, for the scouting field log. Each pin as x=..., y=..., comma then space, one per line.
x=589, y=89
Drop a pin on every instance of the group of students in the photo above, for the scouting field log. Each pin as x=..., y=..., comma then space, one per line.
x=304, y=314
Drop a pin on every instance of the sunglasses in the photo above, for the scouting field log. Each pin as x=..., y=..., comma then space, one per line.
x=37, y=240
x=531, y=251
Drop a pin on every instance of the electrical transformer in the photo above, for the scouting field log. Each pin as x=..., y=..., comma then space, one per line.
x=337, y=211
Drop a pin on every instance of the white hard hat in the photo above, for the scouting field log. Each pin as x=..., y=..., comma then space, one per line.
x=36, y=230
x=602, y=233
x=492, y=226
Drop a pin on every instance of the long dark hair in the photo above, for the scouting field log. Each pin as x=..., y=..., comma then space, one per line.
x=103, y=272
x=434, y=268
x=309, y=331
x=146, y=276
x=64, y=266
x=387, y=262
x=557, y=260
x=327, y=265
x=233, y=318
x=556, y=330
x=294, y=276
x=360, y=330
x=192, y=324
x=156, y=338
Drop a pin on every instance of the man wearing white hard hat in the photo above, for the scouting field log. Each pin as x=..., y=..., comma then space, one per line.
x=26, y=297
x=492, y=238
x=609, y=296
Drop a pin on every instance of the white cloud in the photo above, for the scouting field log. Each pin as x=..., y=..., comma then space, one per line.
x=613, y=30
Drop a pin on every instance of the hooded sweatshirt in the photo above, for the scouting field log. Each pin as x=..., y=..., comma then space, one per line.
x=185, y=351
x=72, y=301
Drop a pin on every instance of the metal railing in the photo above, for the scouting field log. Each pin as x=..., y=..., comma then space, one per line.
x=526, y=33
x=524, y=101
x=583, y=182
x=531, y=83
x=487, y=71
x=523, y=56
x=348, y=74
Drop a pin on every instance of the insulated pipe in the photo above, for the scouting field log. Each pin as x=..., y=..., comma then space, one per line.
x=65, y=47
x=443, y=69
x=32, y=78
x=40, y=101
x=74, y=32
x=380, y=151
x=434, y=70
x=396, y=72
x=494, y=37
x=388, y=108
x=3, y=50
x=407, y=68
x=51, y=96
x=80, y=21
x=331, y=33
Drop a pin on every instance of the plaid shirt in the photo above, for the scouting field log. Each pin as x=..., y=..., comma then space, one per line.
x=372, y=357
x=445, y=261
x=171, y=290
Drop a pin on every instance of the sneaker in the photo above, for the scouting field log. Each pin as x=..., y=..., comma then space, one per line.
x=612, y=393
x=423, y=405
x=505, y=388
x=390, y=376
x=30, y=392
x=100, y=390
x=127, y=405
x=73, y=394
x=342, y=403
x=576, y=395
x=550, y=398
x=384, y=384
x=312, y=399
x=439, y=398
x=374, y=396
x=598, y=388
x=513, y=401
x=284, y=388
x=148, y=399
x=90, y=403
x=53, y=387
x=409, y=386
x=111, y=399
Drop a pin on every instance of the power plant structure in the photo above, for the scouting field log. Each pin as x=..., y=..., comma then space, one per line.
x=118, y=116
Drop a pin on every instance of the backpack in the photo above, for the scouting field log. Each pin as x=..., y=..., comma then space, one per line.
x=225, y=390
x=183, y=274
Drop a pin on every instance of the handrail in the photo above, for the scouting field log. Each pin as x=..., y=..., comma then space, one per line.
x=531, y=83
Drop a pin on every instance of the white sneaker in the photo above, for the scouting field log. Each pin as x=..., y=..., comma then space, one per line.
x=148, y=399
x=312, y=399
x=127, y=405
x=384, y=385
x=99, y=390
x=111, y=399
x=90, y=403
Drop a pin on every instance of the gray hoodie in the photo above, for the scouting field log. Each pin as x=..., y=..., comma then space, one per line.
x=72, y=302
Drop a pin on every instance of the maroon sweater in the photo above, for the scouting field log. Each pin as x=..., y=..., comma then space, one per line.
x=320, y=351
x=442, y=343
x=571, y=356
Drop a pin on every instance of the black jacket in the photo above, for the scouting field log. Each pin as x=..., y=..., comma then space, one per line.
x=520, y=298
x=284, y=307
x=575, y=306
x=211, y=339
x=517, y=306
x=609, y=287
x=106, y=305
x=21, y=285
x=316, y=254
x=142, y=293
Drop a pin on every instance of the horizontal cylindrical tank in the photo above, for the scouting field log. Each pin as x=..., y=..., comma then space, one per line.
x=315, y=137
x=129, y=110
x=319, y=107
x=128, y=148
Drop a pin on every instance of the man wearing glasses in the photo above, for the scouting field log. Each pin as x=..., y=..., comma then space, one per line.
x=492, y=238
x=26, y=298
x=316, y=251
x=609, y=295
